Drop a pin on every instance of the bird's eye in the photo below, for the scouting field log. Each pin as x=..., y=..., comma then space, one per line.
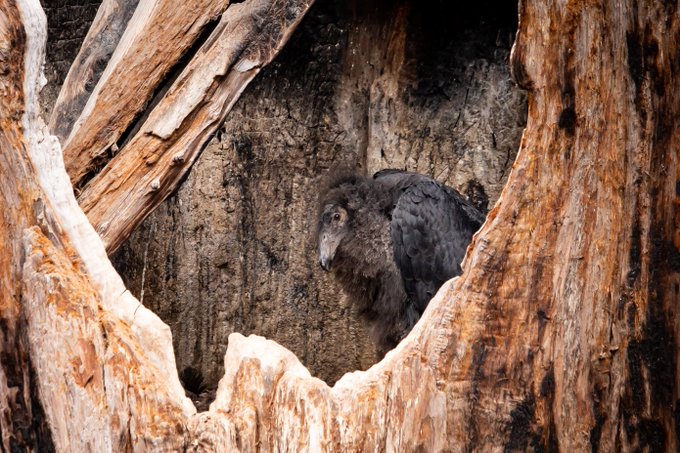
x=336, y=216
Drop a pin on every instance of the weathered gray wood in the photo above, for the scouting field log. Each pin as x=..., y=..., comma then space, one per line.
x=96, y=51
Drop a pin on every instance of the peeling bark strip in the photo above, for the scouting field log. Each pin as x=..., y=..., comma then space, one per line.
x=546, y=342
x=163, y=147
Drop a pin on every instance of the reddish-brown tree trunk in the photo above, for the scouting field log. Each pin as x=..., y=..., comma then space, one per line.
x=560, y=334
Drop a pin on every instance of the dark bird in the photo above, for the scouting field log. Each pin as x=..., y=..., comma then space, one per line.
x=391, y=241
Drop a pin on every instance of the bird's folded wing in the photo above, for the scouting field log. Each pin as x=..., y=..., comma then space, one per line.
x=431, y=228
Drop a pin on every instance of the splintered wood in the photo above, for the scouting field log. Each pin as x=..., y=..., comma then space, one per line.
x=142, y=57
x=79, y=352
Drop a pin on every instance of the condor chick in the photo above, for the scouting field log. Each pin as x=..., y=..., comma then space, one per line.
x=391, y=241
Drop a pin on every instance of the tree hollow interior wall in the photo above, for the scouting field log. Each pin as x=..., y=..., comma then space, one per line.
x=422, y=86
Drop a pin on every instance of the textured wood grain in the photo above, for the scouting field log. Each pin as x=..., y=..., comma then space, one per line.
x=22, y=421
x=97, y=48
x=559, y=335
x=152, y=164
x=76, y=374
x=98, y=388
x=140, y=61
x=238, y=231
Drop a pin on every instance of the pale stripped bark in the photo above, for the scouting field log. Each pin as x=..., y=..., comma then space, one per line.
x=560, y=334
x=78, y=345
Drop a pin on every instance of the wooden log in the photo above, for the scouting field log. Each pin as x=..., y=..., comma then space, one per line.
x=22, y=420
x=79, y=352
x=98, y=46
x=157, y=35
x=152, y=165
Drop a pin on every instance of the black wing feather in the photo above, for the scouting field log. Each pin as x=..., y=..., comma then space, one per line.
x=431, y=228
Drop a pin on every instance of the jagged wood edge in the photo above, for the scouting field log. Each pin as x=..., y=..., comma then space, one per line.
x=102, y=363
x=501, y=350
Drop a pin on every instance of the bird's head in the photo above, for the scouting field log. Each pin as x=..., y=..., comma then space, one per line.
x=332, y=229
x=341, y=195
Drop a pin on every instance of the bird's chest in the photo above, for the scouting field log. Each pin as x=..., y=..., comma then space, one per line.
x=371, y=252
x=369, y=267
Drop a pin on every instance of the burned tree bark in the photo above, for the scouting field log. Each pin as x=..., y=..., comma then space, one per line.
x=560, y=333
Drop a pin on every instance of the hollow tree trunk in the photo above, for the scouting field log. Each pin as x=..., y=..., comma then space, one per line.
x=233, y=250
x=560, y=334
x=81, y=358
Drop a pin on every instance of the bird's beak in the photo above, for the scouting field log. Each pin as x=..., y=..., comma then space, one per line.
x=325, y=264
x=327, y=249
